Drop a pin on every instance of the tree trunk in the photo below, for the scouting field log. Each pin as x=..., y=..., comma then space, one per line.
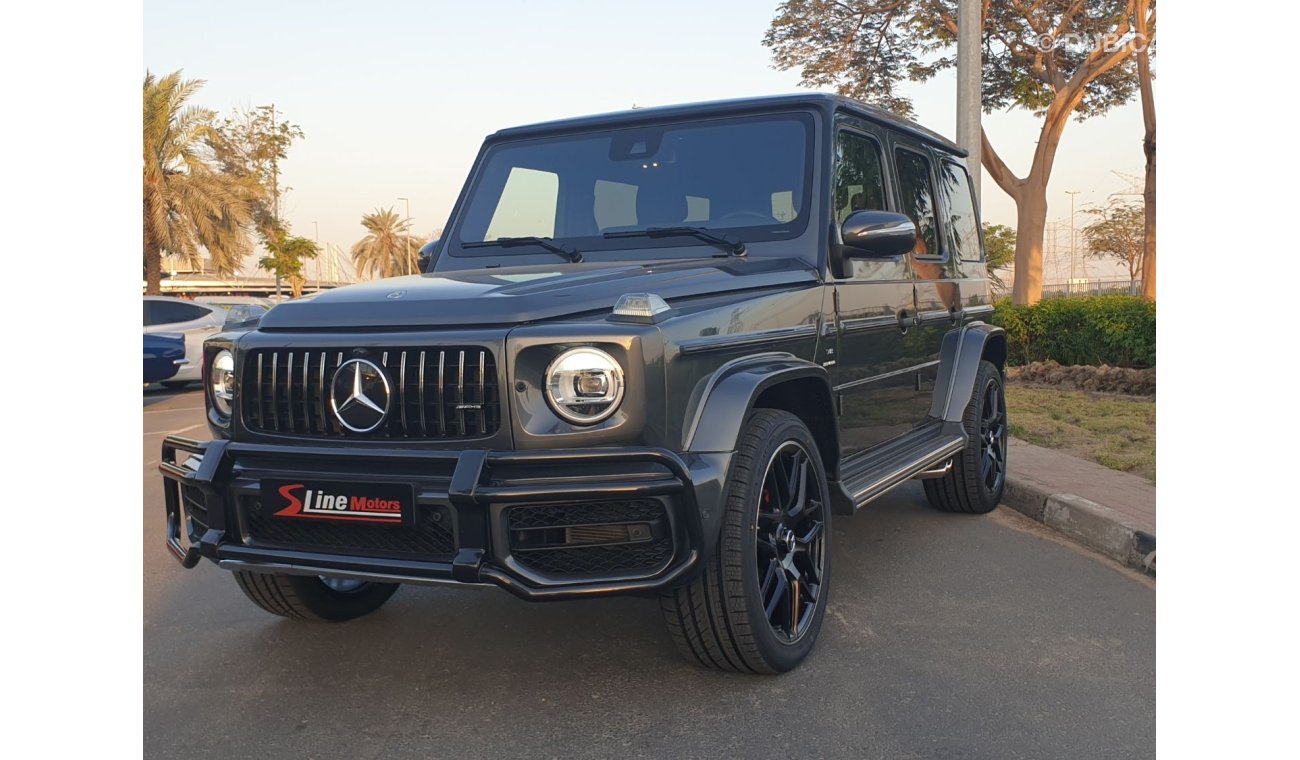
x=152, y=268
x=1148, y=146
x=1030, y=193
x=1149, y=198
x=1031, y=217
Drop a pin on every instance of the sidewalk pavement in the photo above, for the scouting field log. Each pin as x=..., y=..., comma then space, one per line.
x=1109, y=511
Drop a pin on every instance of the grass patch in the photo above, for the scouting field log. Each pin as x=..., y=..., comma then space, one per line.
x=1118, y=432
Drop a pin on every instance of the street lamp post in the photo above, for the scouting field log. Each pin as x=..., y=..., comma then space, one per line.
x=408, y=233
x=1071, y=193
x=969, y=86
x=275, y=195
x=318, y=282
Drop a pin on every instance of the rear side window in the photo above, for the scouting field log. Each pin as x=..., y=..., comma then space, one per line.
x=963, y=225
x=859, y=183
x=917, y=196
x=167, y=312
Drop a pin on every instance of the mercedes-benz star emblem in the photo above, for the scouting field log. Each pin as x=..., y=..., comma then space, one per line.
x=359, y=395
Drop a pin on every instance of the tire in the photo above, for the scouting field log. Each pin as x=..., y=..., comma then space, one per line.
x=969, y=487
x=308, y=597
x=720, y=620
x=176, y=384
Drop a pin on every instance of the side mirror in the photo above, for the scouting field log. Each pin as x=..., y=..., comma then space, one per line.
x=877, y=235
x=427, y=253
x=243, y=317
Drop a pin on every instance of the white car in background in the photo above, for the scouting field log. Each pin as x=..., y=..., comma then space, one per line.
x=195, y=320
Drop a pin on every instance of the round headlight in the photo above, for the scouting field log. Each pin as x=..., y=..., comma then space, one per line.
x=221, y=383
x=584, y=385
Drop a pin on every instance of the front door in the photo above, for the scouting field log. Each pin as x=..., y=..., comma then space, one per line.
x=875, y=373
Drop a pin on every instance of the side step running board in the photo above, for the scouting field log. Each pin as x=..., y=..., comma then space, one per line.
x=927, y=453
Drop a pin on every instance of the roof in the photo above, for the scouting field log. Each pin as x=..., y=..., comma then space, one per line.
x=820, y=100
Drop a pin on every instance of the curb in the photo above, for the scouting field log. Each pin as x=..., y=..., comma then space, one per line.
x=1094, y=525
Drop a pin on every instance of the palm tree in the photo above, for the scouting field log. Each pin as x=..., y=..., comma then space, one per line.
x=388, y=248
x=286, y=255
x=188, y=205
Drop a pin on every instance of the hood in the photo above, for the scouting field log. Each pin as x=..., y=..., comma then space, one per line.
x=508, y=296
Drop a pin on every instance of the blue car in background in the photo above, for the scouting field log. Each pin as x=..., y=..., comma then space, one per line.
x=164, y=355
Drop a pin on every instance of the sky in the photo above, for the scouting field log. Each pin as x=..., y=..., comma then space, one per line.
x=395, y=98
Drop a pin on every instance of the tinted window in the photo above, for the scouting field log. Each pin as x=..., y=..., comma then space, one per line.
x=917, y=197
x=963, y=226
x=166, y=312
x=859, y=183
x=723, y=174
x=527, y=205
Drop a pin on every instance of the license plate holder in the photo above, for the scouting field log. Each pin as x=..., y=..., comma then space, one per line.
x=339, y=501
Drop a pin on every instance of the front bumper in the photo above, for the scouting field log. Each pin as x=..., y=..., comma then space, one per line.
x=207, y=496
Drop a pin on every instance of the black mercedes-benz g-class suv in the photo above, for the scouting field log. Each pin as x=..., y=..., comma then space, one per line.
x=653, y=353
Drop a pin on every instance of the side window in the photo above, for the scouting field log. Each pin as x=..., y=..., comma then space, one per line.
x=917, y=197
x=859, y=182
x=527, y=205
x=167, y=312
x=963, y=224
x=148, y=313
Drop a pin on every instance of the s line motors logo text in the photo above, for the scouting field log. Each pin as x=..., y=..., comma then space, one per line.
x=306, y=502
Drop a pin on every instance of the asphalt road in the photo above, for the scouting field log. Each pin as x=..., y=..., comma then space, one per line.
x=948, y=636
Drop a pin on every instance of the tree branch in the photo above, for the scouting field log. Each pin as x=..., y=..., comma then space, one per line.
x=998, y=169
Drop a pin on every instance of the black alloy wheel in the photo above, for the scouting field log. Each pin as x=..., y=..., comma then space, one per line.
x=993, y=437
x=790, y=541
x=978, y=474
x=758, y=604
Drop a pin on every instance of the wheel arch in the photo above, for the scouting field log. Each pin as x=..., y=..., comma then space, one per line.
x=959, y=362
x=768, y=381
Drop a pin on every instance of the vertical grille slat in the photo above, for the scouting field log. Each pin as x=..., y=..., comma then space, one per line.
x=320, y=388
x=424, y=429
x=442, y=415
x=482, y=394
x=261, y=408
x=275, y=379
x=306, y=392
x=401, y=392
x=460, y=393
x=288, y=391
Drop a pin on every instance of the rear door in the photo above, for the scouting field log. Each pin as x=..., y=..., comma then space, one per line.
x=874, y=374
x=965, y=237
x=933, y=267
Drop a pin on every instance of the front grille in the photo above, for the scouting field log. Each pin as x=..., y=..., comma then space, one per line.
x=428, y=538
x=635, y=537
x=438, y=393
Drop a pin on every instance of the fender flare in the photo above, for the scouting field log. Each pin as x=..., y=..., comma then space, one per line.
x=727, y=398
x=959, y=363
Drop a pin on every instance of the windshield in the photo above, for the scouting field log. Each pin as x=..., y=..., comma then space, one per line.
x=747, y=176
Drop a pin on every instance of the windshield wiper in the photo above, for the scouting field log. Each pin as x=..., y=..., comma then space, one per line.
x=733, y=247
x=569, y=254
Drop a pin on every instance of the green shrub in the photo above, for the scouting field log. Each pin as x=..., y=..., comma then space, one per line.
x=1115, y=330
